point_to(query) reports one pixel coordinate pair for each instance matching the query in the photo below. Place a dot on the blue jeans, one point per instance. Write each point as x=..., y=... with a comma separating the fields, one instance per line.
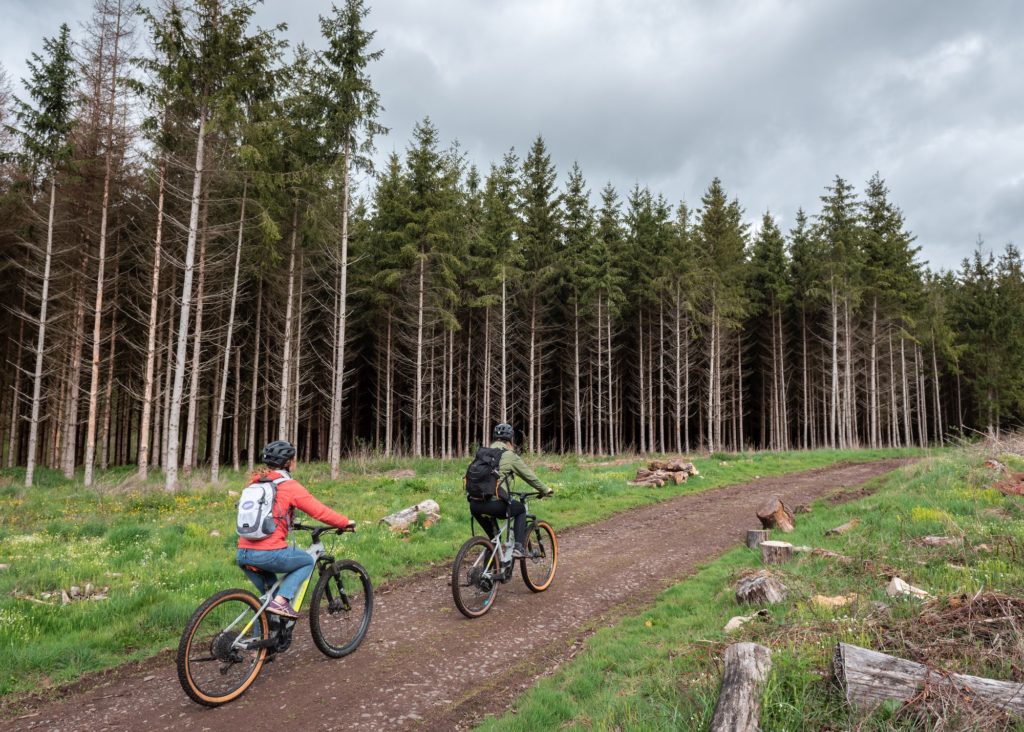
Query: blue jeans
x=296, y=563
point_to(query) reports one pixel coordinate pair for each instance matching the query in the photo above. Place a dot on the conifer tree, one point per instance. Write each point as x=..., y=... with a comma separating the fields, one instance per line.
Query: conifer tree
x=45, y=127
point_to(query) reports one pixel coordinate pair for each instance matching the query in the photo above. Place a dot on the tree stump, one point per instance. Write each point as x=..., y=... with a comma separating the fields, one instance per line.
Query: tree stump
x=402, y=520
x=869, y=678
x=773, y=514
x=776, y=552
x=761, y=588
x=840, y=530
x=756, y=536
x=739, y=702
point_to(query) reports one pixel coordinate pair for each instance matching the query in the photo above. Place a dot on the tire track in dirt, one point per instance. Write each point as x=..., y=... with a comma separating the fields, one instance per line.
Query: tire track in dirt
x=423, y=665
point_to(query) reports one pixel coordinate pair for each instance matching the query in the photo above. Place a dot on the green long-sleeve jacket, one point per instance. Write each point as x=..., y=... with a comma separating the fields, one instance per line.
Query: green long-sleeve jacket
x=512, y=464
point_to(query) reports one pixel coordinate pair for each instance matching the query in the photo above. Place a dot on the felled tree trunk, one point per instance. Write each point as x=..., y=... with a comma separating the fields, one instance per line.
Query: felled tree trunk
x=756, y=536
x=840, y=530
x=760, y=588
x=402, y=520
x=774, y=514
x=739, y=702
x=776, y=552
x=869, y=678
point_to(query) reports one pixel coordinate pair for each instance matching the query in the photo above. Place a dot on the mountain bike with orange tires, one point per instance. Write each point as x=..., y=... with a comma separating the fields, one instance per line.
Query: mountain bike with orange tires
x=482, y=564
x=230, y=636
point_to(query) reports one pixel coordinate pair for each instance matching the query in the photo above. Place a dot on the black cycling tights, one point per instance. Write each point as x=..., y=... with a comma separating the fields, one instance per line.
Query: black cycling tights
x=486, y=511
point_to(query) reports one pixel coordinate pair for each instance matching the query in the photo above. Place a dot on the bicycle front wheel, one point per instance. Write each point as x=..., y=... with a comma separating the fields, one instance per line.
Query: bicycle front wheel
x=538, y=567
x=474, y=577
x=339, y=614
x=222, y=648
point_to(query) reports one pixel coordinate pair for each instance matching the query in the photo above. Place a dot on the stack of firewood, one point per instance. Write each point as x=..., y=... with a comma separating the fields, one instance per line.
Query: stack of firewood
x=660, y=472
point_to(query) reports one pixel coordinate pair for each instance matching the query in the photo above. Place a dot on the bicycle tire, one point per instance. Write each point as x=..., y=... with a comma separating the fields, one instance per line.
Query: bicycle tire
x=216, y=612
x=539, y=571
x=332, y=603
x=471, y=554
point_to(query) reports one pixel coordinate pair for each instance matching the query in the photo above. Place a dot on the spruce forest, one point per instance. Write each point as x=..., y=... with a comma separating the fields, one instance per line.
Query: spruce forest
x=199, y=256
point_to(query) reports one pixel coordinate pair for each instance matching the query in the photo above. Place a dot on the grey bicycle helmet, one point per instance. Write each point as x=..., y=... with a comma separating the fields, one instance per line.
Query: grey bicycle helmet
x=277, y=453
x=504, y=432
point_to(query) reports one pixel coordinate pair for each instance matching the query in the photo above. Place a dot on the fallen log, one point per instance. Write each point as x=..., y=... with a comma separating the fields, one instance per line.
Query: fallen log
x=760, y=588
x=776, y=552
x=673, y=465
x=774, y=514
x=402, y=520
x=658, y=477
x=941, y=541
x=756, y=536
x=840, y=530
x=869, y=678
x=739, y=702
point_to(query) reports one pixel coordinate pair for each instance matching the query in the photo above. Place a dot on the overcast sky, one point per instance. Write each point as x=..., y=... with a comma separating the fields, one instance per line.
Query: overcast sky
x=774, y=97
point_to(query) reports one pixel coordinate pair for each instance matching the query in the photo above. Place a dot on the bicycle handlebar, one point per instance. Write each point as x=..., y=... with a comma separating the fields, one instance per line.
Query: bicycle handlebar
x=318, y=531
x=526, y=494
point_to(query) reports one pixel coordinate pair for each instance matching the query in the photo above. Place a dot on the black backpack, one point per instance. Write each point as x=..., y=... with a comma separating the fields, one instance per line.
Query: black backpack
x=481, y=479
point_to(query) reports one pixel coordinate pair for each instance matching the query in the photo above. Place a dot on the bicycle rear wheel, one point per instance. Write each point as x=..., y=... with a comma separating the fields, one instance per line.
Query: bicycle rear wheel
x=474, y=578
x=538, y=567
x=213, y=669
x=340, y=611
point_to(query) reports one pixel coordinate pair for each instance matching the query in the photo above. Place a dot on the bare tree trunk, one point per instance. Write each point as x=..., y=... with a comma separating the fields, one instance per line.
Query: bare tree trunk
x=922, y=400
x=154, y=300
x=168, y=374
x=339, y=366
x=218, y=422
x=894, y=429
x=44, y=300
x=191, y=427
x=286, y=359
x=661, y=375
x=256, y=347
x=504, y=348
x=806, y=381
x=237, y=414
x=532, y=372
x=171, y=465
x=784, y=394
x=13, y=443
x=642, y=393
x=935, y=391
x=613, y=443
x=907, y=431
x=108, y=391
x=94, y=384
x=712, y=443
x=485, y=423
x=873, y=414
x=417, y=434
x=388, y=418
x=466, y=437
x=600, y=380
x=833, y=424
x=577, y=409
x=297, y=358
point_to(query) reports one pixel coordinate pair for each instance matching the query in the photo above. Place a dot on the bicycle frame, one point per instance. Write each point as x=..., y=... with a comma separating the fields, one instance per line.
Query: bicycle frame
x=504, y=542
x=315, y=550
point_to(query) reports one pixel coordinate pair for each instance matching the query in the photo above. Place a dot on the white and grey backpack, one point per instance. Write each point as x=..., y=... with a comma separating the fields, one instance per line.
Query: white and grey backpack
x=256, y=518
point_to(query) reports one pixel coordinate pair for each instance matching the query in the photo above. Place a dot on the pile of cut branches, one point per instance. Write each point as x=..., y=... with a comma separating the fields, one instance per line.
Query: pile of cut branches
x=659, y=472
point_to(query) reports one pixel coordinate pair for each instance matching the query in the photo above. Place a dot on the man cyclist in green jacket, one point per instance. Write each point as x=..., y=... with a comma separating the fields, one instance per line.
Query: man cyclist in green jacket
x=511, y=465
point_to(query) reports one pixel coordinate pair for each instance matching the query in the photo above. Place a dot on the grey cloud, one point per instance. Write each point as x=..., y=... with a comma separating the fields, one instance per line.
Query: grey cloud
x=774, y=97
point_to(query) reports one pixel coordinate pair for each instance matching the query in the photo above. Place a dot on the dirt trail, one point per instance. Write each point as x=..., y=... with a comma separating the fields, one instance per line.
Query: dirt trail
x=422, y=663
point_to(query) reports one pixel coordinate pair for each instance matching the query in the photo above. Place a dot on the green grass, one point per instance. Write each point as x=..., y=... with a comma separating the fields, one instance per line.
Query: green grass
x=660, y=670
x=160, y=553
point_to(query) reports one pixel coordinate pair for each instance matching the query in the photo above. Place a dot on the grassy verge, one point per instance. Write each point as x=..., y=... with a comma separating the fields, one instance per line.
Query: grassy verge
x=160, y=554
x=662, y=669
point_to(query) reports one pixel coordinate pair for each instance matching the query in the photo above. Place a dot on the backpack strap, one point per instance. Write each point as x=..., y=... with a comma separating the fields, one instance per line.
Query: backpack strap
x=277, y=482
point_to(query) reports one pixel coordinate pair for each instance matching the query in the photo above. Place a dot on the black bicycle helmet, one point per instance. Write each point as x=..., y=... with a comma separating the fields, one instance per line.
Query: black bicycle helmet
x=504, y=432
x=277, y=453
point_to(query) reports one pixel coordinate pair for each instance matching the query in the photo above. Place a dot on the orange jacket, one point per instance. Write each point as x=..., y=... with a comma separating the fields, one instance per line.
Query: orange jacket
x=291, y=494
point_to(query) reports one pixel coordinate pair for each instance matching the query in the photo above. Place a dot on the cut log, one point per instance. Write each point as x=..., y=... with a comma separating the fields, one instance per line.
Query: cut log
x=756, y=536
x=679, y=477
x=402, y=520
x=775, y=515
x=673, y=465
x=869, y=678
x=739, y=702
x=776, y=552
x=760, y=588
x=898, y=588
x=941, y=541
x=840, y=530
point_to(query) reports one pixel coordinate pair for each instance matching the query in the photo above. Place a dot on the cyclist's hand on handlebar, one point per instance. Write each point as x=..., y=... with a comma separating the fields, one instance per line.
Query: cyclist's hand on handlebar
x=350, y=526
x=546, y=494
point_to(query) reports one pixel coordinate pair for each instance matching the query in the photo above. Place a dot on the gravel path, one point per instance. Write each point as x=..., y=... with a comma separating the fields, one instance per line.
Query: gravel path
x=423, y=665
